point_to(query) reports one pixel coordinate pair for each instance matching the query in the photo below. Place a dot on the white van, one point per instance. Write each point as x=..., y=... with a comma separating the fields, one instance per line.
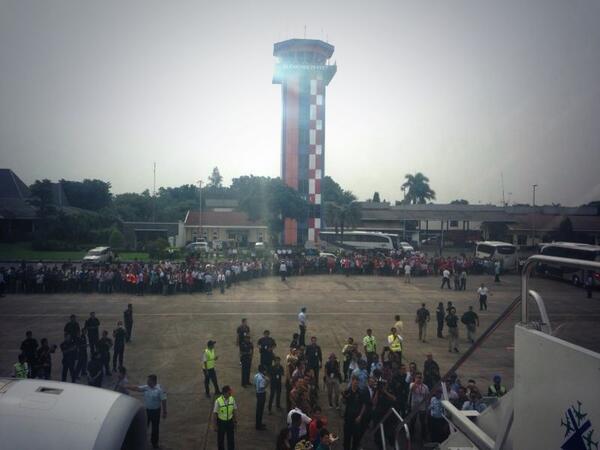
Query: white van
x=504, y=252
x=99, y=255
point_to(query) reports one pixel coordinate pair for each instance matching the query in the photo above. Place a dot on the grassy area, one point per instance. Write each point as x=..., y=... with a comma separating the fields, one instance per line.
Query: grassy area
x=23, y=250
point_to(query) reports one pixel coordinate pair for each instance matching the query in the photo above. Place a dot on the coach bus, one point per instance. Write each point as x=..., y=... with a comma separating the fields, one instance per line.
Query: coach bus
x=360, y=240
x=570, y=250
x=494, y=251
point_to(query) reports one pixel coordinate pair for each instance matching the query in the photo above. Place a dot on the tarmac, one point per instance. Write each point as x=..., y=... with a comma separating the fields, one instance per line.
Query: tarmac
x=170, y=334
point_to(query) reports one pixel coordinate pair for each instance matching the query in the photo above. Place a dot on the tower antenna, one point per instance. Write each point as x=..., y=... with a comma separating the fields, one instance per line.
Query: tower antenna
x=154, y=194
x=502, y=181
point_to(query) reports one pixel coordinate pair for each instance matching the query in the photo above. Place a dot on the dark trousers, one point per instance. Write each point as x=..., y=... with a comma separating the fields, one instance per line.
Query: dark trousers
x=283, y=274
x=260, y=408
x=246, y=366
x=275, y=394
x=117, y=354
x=497, y=278
x=106, y=362
x=346, y=368
x=81, y=368
x=154, y=422
x=315, y=369
x=370, y=358
x=440, y=327
x=437, y=429
x=128, y=328
x=589, y=291
x=302, y=339
x=352, y=434
x=210, y=375
x=68, y=366
x=93, y=341
x=482, y=302
x=225, y=427
x=445, y=281
x=463, y=284
x=420, y=416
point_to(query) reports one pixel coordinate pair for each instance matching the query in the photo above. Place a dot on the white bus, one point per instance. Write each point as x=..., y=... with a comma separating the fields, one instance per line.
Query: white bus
x=360, y=240
x=571, y=250
x=498, y=251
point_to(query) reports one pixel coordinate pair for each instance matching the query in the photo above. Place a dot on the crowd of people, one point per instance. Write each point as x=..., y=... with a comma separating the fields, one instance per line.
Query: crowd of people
x=198, y=275
x=364, y=380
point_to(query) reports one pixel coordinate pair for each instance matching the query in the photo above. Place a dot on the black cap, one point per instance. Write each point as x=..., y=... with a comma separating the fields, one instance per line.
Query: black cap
x=209, y=343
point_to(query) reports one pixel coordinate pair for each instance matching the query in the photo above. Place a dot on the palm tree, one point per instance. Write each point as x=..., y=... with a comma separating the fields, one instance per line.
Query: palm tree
x=417, y=189
x=342, y=216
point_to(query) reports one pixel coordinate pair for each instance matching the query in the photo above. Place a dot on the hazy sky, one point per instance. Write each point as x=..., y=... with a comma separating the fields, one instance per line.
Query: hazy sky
x=460, y=90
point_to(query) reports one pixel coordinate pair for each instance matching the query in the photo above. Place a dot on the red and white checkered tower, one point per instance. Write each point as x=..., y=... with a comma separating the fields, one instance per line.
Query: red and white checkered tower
x=303, y=71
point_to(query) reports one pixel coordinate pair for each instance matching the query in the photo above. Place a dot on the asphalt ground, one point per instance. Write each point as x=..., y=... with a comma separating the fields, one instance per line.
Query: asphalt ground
x=170, y=334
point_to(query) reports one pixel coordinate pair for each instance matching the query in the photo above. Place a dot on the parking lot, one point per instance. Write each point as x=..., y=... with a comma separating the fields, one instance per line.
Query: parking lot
x=170, y=334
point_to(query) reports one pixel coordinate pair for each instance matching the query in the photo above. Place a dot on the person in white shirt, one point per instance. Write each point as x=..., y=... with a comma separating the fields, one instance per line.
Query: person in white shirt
x=483, y=295
x=155, y=401
x=302, y=326
x=282, y=269
x=445, y=279
x=305, y=420
x=407, y=269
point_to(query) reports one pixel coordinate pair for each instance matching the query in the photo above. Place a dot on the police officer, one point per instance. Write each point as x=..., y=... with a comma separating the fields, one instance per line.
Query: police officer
x=314, y=358
x=72, y=326
x=29, y=349
x=266, y=344
x=92, y=327
x=246, y=353
x=94, y=370
x=119, y=335
x=103, y=346
x=82, y=356
x=395, y=344
x=496, y=389
x=225, y=419
x=208, y=367
x=128, y=320
x=69, y=356
x=260, y=383
x=277, y=372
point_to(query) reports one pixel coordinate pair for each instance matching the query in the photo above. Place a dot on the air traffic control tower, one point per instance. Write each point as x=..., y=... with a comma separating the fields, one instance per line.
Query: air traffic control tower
x=303, y=71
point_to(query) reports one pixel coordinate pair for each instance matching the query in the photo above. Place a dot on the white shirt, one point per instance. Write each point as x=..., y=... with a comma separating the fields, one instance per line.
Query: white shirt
x=302, y=318
x=305, y=420
x=482, y=291
x=407, y=269
x=446, y=273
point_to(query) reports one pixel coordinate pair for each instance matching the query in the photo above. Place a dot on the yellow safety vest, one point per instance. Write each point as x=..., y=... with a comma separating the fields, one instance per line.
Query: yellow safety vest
x=497, y=393
x=226, y=408
x=210, y=358
x=395, y=344
x=21, y=370
x=369, y=343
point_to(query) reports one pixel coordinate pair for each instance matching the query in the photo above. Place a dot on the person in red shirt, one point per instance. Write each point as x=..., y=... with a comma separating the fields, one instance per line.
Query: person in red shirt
x=318, y=421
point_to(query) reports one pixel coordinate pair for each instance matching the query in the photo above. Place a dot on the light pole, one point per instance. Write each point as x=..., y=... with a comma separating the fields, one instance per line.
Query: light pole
x=534, y=186
x=200, y=208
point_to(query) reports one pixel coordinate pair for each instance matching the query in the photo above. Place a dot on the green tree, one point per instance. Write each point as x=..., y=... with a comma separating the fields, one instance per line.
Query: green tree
x=565, y=230
x=460, y=201
x=215, y=180
x=134, y=207
x=417, y=189
x=376, y=198
x=342, y=216
x=87, y=194
x=283, y=202
x=116, y=239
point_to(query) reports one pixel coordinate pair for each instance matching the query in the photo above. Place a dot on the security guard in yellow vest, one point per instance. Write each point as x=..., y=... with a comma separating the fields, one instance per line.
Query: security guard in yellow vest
x=208, y=367
x=370, y=347
x=496, y=389
x=225, y=419
x=395, y=345
x=21, y=368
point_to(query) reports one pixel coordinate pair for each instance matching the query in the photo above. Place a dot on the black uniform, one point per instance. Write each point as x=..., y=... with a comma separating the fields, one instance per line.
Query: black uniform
x=29, y=348
x=92, y=326
x=69, y=357
x=276, y=380
x=246, y=351
x=82, y=356
x=355, y=401
x=120, y=335
x=94, y=369
x=44, y=361
x=72, y=328
x=128, y=321
x=314, y=359
x=104, y=345
x=440, y=316
x=266, y=344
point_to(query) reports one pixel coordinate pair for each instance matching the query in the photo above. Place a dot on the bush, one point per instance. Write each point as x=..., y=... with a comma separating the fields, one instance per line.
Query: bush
x=116, y=239
x=157, y=249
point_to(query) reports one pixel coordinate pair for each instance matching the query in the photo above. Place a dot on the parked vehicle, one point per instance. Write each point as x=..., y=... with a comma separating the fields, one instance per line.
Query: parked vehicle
x=504, y=252
x=99, y=255
x=197, y=247
x=569, y=250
